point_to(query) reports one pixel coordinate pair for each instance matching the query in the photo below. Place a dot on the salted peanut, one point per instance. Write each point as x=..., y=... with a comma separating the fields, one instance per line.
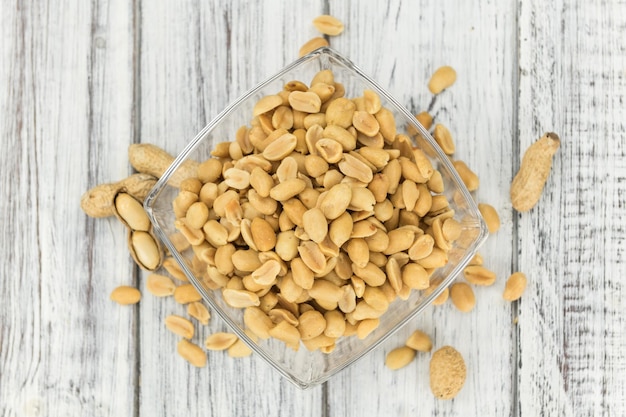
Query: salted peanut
x=337, y=201
x=462, y=297
x=223, y=259
x=315, y=165
x=312, y=256
x=315, y=224
x=288, y=189
x=376, y=298
x=447, y=373
x=307, y=102
x=371, y=101
x=354, y=168
x=208, y=193
x=358, y=251
x=378, y=242
x=329, y=149
x=181, y=203
x=198, y=311
x=515, y=286
x=393, y=172
x=425, y=119
x=264, y=205
x=422, y=247
x=340, y=135
x=323, y=290
x=436, y=230
x=424, y=165
x=145, y=250
x=160, y=285
x=371, y=274
x=394, y=274
x=377, y=157
x=387, y=124
x=312, y=136
x=451, y=229
x=435, y=183
x=318, y=342
x=311, y=45
x=383, y=211
x=399, y=358
x=244, y=260
x=240, y=298
x=282, y=117
x=366, y=326
x=335, y=324
x=340, y=112
x=280, y=314
x=280, y=148
x=287, y=245
x=242, y=139
x=302, y=275
x=263, y=234
x=295, y=85
x=442, y=78
x=311, y=324
x=287, y=333
x=377, y=141
x=436, y=259
x=266, y=274
x=210, y=170
x=340, y=228
x=197, y=215
x=239, y=350
x=186, y=293
x=410, y=171
x=470, y=179
x=125, y=295
x=362, y=229
x=365, y=123
x=400, y=240
x=192, y=353
x=324, y=76
x=324, y=92
x=173, y=268
x=328, y=25
x=295, y=210
x=266, y=104
x=237, y=178
x=234, y=150
x=479, y=275
x=131, y=212
x=439, y=204
x=258, y=322
x=410, y=194
x=347, y=302
x=419, y=341
x=179, y=326
x=415, y=276
x=476, y=260
x=222, y=150
x=443, y=137
x=491, y=217
x=309, y=197
x=220, y=341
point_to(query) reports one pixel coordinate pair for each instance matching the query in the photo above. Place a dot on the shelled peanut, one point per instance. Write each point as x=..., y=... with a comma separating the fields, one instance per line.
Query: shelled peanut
x=312, y=211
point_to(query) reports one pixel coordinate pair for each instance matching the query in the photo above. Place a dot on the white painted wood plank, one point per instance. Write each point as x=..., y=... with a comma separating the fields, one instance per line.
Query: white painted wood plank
x=66, y=114
x=400, y=43
x=571, y=333
x=195, y=59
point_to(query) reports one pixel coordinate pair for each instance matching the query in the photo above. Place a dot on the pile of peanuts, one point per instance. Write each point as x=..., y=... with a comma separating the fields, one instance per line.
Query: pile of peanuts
x=313, y=220
x=317, y=216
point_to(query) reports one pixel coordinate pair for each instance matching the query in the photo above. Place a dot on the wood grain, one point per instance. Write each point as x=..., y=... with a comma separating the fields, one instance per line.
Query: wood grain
x=67, y=72
x=571, y=333
x=478, y=40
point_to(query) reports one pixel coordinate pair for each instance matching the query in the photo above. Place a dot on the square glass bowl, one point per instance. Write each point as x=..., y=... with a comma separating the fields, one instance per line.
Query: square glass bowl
x=302, y=367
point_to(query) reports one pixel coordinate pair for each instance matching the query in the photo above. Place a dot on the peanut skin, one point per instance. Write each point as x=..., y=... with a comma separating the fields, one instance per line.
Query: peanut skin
x=100, y=200
x=528, y=184
x=150, y=159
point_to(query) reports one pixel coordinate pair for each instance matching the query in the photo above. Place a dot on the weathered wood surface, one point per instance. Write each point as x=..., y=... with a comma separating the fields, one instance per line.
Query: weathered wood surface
x=80, y=81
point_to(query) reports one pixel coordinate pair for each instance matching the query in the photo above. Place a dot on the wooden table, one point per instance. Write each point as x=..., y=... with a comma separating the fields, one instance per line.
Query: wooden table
x=81, y=80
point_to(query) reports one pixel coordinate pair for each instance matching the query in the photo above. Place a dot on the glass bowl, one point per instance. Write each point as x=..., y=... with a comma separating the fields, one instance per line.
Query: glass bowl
x=303, y=367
